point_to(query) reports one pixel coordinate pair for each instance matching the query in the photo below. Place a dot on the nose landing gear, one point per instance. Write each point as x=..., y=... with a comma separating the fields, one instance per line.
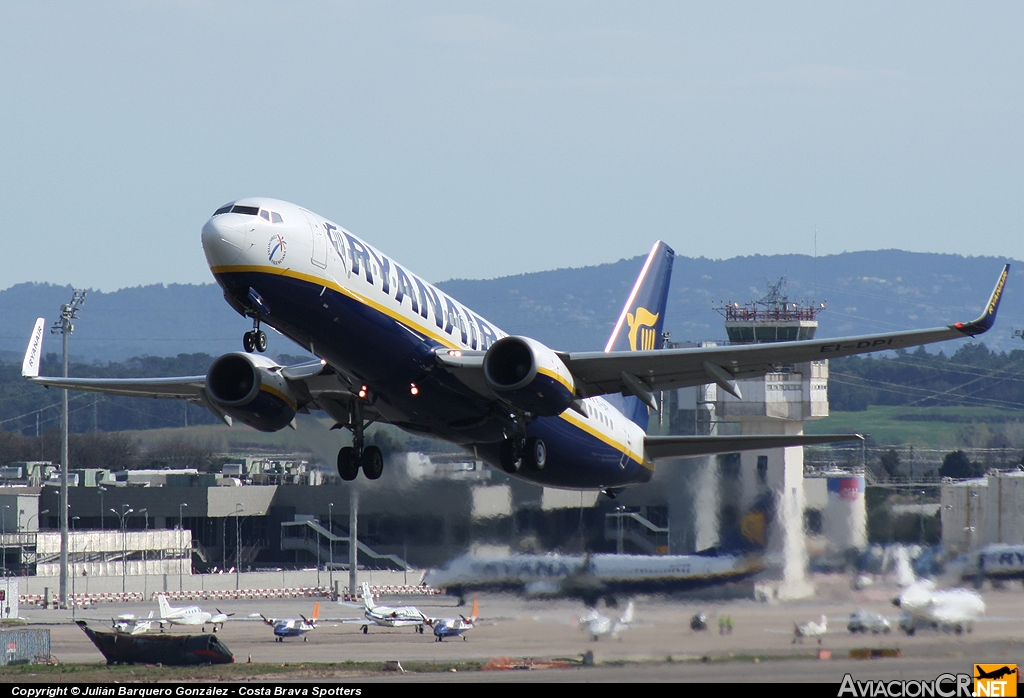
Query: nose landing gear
x=257, y=339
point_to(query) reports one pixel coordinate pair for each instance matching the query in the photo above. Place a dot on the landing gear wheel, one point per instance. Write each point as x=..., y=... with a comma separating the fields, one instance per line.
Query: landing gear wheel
x=535, y=455
x=261, y=341
x=348, y=467
x=249, y=342
x=372, y=462
x=365, y=630
x=511, y=461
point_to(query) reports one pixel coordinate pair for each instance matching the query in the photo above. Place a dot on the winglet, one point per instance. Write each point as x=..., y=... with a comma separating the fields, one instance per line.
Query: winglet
x=34, y=351
x=984, y=323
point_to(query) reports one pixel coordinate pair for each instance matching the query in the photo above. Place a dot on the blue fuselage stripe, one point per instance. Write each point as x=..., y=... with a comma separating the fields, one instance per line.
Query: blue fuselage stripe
x=389, y=357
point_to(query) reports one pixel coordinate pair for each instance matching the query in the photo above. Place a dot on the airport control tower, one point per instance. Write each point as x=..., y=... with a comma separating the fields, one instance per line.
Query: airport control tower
x=777, y=403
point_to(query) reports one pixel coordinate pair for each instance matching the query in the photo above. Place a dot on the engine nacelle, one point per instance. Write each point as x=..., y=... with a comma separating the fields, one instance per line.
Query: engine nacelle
x=528, y=375
x=251, y=389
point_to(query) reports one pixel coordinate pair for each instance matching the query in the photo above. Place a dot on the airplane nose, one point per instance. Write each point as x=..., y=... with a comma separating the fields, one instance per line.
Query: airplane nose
x=223, y=240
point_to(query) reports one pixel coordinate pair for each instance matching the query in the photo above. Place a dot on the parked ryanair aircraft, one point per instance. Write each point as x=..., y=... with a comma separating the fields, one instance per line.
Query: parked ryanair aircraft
x=393, y=348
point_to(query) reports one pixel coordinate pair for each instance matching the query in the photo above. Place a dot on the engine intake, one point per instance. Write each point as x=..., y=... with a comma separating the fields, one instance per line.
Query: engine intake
x=529, y=375
x=251, y=389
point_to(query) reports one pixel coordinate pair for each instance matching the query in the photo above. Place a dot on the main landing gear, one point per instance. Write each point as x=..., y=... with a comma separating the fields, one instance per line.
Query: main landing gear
x=255, y=340
x=352, y=458
x=518, y=452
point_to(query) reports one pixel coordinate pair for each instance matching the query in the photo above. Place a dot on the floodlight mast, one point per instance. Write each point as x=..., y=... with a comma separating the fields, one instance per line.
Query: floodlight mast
x=64, y=327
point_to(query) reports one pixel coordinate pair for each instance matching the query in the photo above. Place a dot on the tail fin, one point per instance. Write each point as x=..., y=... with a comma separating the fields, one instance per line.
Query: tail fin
x=34, y=352
x=316, y=611
x=368, y=597
x=749, y=534
x=627, y=617
x=165, y=608
x=639, y=327
x=476, y=611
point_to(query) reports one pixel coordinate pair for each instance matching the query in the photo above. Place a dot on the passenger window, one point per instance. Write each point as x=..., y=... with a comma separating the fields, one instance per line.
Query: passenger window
x=276, y=217
x=265, y=215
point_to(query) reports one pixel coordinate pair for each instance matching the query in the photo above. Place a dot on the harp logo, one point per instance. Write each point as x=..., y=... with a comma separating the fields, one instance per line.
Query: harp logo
x=642, y=334
x=995, y=679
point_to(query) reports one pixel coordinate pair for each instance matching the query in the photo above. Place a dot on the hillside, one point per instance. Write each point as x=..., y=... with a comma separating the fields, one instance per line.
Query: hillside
x=570, y=309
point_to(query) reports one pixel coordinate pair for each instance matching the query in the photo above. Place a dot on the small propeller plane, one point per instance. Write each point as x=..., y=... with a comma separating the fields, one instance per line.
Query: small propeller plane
x=293, y=627
x=390, y=616
x=810, y=629
x=599, y=625
x=454, y=627
x=128, y=624
x=189, y=615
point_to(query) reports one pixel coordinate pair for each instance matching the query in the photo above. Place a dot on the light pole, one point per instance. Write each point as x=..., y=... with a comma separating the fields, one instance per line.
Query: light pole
x=74, y=602
x=238, y=545
x=101, y=490
x=3, y=536
x=124, y=547
x=330, y=543
x=64, y=327
x=28, y=524
x=318, y=556
x=181, y=545
x=145, y=538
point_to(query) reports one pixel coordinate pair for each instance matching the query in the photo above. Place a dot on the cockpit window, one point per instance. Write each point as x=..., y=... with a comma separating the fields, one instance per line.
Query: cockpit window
x=265, y=215
x=246, y=210
x=222, y=209
x=276, y=217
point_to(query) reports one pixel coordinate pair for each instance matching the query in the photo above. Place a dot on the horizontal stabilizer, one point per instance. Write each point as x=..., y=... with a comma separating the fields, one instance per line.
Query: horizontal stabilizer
x=662, y=447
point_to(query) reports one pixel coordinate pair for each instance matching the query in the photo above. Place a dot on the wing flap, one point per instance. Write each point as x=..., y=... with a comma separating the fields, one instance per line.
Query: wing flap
x=664, y=447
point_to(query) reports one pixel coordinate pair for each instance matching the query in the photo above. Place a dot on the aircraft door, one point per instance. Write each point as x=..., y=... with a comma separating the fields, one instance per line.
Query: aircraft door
x=319, y=257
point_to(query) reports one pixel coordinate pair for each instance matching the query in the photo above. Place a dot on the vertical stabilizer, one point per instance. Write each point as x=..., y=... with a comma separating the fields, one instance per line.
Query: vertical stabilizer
x=165, y=608
x=316, y=611
x=368, y=597
x=639, y=327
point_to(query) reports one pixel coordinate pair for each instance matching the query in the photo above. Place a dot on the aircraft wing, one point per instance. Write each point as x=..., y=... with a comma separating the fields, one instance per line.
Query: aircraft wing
x=315, y=383
x=663, y=447
x=599, y=373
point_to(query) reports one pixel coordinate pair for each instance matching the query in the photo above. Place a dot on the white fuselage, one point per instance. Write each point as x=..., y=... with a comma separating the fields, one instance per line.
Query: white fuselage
x=313, y=250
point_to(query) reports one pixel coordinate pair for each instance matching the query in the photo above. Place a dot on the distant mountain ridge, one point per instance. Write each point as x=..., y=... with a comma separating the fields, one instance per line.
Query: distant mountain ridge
x=569, y=309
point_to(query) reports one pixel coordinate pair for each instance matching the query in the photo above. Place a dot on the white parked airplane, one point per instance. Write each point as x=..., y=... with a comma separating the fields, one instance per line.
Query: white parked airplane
x=949, y=610
x=390, y=616
x=599, y=625
x=810, y=629
x=127, y=623
x=393, y=348
x=189, y=615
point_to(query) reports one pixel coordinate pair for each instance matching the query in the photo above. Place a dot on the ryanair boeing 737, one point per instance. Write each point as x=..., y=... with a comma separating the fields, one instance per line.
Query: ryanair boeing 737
x=393, y=348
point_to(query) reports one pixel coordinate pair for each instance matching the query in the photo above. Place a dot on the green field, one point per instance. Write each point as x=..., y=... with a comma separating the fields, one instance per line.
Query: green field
x=923, y=426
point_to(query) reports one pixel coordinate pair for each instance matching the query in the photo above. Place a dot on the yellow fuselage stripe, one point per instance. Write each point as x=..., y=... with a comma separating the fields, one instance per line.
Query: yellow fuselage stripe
x=568, y=415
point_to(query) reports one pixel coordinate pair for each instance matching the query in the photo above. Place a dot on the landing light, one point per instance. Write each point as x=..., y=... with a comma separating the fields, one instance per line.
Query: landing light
x=413, y=389
x=362, y=392
x=454, y=352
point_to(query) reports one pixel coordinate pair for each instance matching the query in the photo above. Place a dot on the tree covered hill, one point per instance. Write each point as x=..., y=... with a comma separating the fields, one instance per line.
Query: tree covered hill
x=570, y=309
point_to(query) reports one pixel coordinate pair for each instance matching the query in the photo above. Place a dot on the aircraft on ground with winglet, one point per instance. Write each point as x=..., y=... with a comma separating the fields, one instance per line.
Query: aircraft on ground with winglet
x=293, y=627
x=393, y=348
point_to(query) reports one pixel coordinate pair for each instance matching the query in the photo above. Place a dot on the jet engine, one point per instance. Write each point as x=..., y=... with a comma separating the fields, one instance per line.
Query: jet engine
x=251, y=389
x=529, y=376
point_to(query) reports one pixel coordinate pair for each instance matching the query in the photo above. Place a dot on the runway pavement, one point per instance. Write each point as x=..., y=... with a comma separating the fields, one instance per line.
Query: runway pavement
x=659, y=646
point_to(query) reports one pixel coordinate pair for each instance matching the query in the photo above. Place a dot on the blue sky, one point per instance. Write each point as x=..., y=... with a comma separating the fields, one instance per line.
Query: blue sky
x=486, y=139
